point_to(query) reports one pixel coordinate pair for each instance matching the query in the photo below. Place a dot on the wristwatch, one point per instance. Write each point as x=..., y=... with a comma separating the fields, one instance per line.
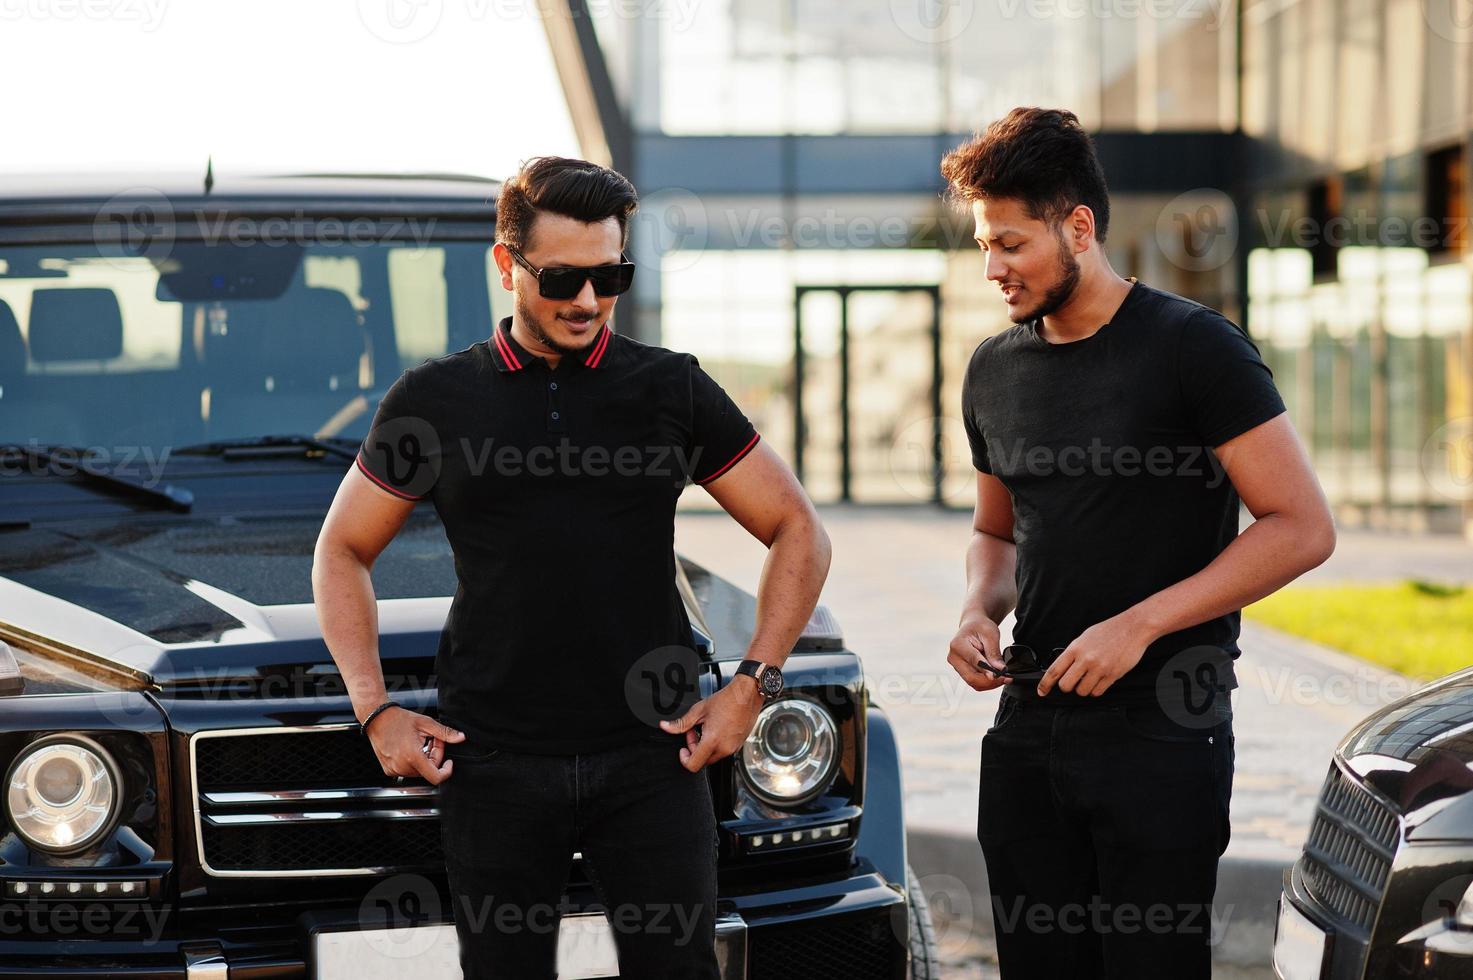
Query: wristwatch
x=769, y=677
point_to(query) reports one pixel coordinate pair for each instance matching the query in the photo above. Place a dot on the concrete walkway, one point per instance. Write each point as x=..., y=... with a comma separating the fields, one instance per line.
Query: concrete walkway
x=896, y=586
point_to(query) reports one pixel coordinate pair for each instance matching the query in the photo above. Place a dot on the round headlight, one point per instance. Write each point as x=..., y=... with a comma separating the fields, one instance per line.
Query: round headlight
x=792, y=752
x=61, y=793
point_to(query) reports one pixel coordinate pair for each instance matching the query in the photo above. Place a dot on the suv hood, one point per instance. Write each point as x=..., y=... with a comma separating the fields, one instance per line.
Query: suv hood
x=1418, y=753
x=160, y=602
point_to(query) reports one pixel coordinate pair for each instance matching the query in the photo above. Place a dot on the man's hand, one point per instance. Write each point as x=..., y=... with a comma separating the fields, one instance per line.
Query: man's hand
x=725, y=719
x=1099, y=657
x=977, y=638
x=398, y=736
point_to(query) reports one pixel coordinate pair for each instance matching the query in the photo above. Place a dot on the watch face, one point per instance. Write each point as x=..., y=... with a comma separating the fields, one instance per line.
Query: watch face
x=772, y=682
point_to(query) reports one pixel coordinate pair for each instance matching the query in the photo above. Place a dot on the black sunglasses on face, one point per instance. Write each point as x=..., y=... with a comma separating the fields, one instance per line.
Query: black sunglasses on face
x=565, y=282
x=1020, y=663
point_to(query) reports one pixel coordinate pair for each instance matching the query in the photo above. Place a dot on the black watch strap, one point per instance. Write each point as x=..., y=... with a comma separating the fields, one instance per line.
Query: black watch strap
x=759, y=671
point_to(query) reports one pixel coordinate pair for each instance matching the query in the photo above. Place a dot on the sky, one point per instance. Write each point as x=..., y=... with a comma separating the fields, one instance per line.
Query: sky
x=463, y=86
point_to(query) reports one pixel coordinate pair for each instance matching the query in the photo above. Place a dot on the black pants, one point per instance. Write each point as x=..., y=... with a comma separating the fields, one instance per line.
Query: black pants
x=510, y=822
x=1101, y=827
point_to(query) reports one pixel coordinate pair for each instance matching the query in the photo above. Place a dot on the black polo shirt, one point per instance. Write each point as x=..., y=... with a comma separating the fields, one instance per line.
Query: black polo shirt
x=557, y=490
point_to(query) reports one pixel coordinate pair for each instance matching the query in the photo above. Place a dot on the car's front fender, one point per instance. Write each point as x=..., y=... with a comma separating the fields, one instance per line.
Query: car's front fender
x=882, y=829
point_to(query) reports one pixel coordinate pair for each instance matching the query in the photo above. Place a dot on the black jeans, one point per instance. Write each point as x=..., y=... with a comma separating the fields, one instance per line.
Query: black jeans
x=510, y=822
x=1101, y=827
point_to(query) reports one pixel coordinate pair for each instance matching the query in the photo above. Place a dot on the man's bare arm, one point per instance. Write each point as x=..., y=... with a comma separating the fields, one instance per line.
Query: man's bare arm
x=1292, y=532
x=361, y=522
x=762, y=495
x=992, y=588
x=992, y=585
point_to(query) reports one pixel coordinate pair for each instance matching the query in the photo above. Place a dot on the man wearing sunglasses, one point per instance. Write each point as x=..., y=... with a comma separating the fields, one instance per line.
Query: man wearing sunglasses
x=554, y=452
x=1115, y=428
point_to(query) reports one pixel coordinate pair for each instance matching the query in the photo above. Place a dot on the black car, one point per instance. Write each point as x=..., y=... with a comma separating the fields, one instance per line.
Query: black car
x=1384, y=886
x=187, y=368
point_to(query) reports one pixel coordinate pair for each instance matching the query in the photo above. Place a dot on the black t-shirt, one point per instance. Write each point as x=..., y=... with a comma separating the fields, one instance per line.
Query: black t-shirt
x=1105, y=445
x=557, y=490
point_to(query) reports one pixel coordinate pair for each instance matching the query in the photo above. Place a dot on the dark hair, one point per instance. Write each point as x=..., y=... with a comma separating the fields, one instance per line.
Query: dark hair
x=574, y=188
x=1042, y=157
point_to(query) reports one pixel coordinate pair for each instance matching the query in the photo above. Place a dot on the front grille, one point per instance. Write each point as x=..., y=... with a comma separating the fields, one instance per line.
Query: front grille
x=835, y=948
x=319, y=758
x=309, y=802
x=1347, y=858
x=341, y=844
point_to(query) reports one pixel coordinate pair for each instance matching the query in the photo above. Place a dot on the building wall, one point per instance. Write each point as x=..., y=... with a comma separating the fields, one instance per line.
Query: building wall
x=1358, y=276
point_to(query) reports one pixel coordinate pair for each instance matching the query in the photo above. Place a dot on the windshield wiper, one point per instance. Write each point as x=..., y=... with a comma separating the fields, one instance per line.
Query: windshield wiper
x=257, y=446
x=166, y=495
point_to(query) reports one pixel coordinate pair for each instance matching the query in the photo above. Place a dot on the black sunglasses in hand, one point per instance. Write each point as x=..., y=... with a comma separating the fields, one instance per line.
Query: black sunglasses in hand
x=565, y=282
x=1020, y=663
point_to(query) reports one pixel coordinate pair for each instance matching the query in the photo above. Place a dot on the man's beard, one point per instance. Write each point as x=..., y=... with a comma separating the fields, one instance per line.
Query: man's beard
x=539, y=333
x=1060, y=292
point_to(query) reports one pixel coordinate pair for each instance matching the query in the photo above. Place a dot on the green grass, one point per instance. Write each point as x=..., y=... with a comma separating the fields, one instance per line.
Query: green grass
x=1421, y=629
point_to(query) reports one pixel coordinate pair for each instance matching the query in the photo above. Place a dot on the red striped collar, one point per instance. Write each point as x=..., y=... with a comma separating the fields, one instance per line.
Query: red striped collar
x=511, y=356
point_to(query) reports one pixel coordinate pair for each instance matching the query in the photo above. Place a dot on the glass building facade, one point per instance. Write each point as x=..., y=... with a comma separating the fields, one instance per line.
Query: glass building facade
x=1358, y=282
x=793, y=235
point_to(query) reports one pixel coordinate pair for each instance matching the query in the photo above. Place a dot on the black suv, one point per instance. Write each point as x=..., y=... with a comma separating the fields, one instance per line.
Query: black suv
x=187, y=368
x=1384, y=887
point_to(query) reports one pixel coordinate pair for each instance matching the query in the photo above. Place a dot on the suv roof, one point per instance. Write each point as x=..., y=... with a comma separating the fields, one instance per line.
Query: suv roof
x=69, y=198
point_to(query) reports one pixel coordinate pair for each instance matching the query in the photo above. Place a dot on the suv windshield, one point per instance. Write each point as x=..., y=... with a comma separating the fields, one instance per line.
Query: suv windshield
x=214, y=342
